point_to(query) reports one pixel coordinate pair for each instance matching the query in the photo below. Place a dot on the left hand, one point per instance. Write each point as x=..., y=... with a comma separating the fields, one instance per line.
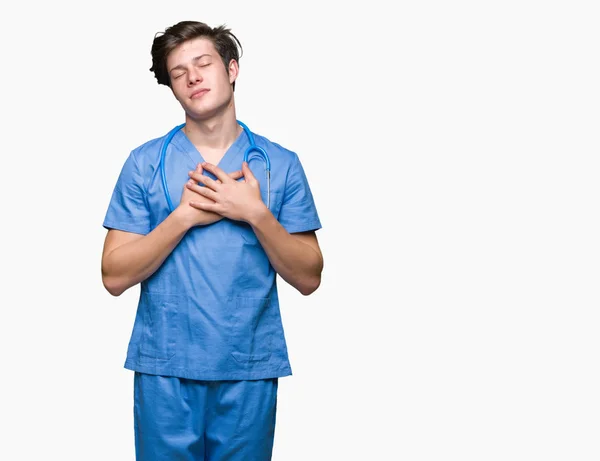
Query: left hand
x=237, y=200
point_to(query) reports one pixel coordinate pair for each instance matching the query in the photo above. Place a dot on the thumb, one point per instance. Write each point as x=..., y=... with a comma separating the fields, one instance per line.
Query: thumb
x=247, y=172
x=236, y=174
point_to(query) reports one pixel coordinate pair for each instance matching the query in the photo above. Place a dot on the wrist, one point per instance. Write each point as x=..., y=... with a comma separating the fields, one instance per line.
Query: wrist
x=181, y=218
x=258, y=214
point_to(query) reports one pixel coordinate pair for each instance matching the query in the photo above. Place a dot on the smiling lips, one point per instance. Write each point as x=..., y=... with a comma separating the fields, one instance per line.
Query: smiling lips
x=199, y=93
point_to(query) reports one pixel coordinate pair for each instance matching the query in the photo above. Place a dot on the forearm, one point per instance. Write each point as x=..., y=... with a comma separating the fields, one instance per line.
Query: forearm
x=135, y=261
x=298, y=263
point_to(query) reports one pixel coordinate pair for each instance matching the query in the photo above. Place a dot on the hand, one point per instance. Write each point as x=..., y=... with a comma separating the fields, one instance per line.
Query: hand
x=238, y=200
x=195, y=216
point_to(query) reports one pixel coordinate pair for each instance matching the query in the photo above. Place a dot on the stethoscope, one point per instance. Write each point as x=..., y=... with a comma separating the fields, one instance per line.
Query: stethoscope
x=253, y=148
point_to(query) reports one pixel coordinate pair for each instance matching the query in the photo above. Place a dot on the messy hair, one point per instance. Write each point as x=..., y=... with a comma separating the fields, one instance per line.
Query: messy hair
x=224, y=41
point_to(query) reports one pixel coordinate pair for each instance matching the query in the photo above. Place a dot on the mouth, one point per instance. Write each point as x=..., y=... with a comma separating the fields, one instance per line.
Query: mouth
x=199, y=93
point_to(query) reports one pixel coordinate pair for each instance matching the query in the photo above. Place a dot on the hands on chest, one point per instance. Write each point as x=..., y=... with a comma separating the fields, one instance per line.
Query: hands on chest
x=205, y=200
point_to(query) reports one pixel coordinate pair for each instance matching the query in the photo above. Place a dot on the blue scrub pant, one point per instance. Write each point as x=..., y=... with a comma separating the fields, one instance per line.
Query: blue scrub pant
x=180, y=419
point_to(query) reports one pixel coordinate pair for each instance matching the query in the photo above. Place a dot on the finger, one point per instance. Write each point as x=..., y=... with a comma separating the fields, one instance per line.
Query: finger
x=236, y=174
x=208, y=182
x=204, y=191
x=194, y=187
x=198, y=170
x=204, y=206
x=233, y=175
x=218, y=172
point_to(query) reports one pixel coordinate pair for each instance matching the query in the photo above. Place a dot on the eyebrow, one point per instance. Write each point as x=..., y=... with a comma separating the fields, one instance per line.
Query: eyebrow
x=194, y=60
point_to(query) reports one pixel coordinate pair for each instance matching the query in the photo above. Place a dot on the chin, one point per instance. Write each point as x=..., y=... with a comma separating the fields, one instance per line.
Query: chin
x=205, y=111
x=198, y=111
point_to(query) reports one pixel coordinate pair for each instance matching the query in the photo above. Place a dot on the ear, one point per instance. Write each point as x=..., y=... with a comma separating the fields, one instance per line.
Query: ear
x=233, y=71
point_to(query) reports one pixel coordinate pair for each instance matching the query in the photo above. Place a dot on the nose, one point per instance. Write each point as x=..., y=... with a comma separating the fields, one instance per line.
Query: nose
x=194, y=76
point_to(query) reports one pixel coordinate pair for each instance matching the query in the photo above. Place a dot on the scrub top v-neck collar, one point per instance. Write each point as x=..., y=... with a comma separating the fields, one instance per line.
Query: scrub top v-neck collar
x=185, y=145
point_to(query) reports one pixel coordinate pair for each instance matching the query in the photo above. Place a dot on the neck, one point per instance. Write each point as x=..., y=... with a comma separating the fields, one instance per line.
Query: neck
x=218, y=132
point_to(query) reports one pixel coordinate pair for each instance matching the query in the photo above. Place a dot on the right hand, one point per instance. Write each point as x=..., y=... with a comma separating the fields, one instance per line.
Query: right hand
x=193, y=216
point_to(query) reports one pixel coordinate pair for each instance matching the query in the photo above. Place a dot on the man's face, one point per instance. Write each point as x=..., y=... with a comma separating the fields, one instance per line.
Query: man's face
x=199, y=80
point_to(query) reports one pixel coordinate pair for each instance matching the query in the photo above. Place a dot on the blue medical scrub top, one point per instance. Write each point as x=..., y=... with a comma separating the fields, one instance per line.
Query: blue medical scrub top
x=211, y=310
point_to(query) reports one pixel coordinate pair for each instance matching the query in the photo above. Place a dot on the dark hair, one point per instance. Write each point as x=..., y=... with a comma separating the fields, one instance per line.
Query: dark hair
x=224, y=41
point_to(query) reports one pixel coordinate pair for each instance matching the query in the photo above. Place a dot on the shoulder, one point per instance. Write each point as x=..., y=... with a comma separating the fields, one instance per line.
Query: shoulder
x=149, y=150
x=142, y=161
x=146, y=156
x=276, y=151
x=286, y=164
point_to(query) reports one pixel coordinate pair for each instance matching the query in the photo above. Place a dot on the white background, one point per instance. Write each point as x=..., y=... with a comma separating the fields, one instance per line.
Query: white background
x=452, y=149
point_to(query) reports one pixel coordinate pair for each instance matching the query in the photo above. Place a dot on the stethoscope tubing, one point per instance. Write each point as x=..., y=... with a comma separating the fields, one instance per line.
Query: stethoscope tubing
x=253, y=148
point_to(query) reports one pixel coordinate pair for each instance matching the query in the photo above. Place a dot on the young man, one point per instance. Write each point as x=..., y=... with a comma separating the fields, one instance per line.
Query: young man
x=205, y=233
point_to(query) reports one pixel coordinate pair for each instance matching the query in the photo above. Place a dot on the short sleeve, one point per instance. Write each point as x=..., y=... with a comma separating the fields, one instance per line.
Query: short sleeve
x=298, y=211
x=128, y=210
